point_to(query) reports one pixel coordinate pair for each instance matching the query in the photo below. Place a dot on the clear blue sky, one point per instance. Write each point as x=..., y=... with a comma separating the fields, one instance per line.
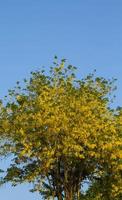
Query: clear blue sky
x=86, y=32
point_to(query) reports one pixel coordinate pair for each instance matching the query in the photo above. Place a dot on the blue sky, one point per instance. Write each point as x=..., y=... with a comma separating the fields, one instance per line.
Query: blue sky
x=87, y=33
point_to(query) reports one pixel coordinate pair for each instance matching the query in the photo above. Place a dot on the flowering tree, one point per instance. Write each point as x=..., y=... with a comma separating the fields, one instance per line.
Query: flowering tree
x=61, y=132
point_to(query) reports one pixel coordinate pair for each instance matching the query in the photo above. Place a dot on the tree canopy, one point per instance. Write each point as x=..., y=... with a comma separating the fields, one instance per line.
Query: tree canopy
x=61, y=132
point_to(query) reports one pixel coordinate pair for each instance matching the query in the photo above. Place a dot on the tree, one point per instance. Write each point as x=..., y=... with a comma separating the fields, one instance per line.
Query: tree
x=60, y=132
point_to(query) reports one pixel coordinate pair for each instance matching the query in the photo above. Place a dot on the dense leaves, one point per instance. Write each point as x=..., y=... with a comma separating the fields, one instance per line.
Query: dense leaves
x=61, y=132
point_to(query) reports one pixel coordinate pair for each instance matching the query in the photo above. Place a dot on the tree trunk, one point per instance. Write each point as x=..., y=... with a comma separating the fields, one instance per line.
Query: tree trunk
x=69, y=194
x=60, y=197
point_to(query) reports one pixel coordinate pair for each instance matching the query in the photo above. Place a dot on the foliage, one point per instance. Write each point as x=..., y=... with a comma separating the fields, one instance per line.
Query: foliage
x=60, y=131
